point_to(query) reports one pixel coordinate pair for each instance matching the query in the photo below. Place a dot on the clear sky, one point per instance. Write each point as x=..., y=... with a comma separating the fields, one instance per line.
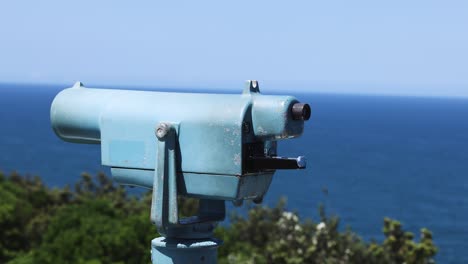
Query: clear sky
x=391, y=47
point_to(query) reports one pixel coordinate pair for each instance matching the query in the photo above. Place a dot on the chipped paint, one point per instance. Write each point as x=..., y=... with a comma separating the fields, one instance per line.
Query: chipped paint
x=237, y=159
x=236, y=132
x=261, y=131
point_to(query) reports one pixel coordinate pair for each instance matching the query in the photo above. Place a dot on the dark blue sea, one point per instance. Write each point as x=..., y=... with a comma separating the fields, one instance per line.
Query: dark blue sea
x=369, y=157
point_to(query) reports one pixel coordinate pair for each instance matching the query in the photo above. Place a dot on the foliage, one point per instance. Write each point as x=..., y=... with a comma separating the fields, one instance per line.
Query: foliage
x=275, y=235
x=97, y=222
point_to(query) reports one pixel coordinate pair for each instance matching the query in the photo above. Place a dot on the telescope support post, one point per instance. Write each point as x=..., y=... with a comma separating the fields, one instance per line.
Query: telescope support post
x=178, y=251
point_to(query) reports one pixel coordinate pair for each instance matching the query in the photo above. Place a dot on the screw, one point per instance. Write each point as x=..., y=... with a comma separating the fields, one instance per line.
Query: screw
x=301, y=162
x=162, y=130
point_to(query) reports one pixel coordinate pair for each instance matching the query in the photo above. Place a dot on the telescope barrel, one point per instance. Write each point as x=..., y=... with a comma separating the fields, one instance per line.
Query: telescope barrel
x=77, y=113
x=74, y=114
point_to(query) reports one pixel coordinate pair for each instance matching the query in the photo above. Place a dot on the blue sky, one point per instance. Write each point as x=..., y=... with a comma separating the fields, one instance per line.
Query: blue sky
x=386, y=47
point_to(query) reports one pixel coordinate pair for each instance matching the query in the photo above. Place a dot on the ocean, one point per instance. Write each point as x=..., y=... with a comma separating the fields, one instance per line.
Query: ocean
x=369, y=157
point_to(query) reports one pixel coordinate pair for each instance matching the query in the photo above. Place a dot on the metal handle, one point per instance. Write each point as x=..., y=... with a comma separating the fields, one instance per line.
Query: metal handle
x=277, y=163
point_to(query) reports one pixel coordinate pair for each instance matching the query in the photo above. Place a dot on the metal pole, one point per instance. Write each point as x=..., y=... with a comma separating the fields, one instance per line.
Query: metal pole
x=183, y=251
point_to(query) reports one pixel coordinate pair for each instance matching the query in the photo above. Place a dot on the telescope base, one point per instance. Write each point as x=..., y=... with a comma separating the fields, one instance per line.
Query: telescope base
x=178, y=251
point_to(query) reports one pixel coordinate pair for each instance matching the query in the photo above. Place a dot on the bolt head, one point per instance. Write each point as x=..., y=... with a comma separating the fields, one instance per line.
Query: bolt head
x=301, y=161
x=162, y=130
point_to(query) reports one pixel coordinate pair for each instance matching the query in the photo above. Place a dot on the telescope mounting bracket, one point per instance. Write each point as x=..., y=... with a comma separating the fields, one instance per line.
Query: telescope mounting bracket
x=164, y=206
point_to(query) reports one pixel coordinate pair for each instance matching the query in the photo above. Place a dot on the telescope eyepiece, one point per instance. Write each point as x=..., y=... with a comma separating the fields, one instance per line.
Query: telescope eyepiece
x=301, y=111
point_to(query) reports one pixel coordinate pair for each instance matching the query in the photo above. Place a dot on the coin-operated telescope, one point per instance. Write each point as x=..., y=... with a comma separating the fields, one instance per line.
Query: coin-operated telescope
x=214, y=147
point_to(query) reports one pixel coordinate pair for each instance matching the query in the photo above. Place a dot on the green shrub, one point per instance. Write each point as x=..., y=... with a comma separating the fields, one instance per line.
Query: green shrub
x=98, y=222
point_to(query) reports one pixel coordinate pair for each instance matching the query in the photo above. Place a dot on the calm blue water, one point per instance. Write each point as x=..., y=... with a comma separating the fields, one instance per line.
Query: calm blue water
x=405, y=158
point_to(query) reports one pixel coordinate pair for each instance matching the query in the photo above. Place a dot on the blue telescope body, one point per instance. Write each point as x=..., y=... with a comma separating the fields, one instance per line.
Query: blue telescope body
x=226, y=143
